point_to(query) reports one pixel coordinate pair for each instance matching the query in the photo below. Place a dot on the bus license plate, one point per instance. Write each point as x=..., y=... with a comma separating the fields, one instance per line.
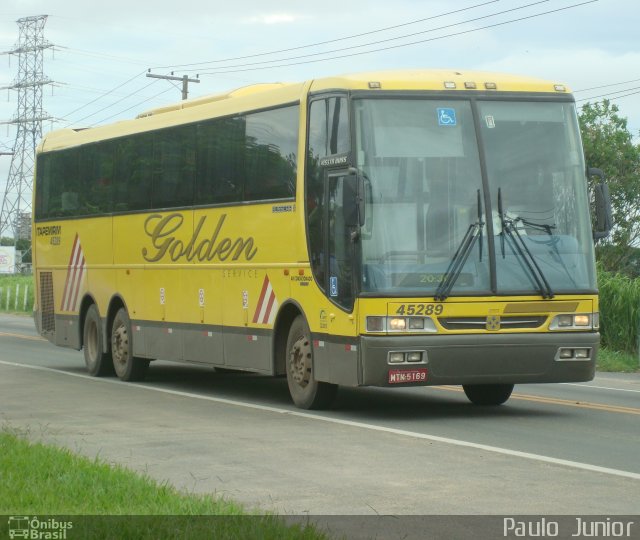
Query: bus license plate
x=401, y=376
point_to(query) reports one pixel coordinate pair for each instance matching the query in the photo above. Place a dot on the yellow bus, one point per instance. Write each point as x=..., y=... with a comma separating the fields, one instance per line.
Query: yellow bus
x=388, y=229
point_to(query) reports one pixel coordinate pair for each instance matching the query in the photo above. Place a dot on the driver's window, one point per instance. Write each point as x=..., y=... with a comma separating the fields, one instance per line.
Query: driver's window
x=328, y=135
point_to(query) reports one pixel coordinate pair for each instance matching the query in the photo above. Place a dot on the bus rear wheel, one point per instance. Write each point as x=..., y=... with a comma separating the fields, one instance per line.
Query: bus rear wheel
x=127, y=367
x=98, y=362
x=305, y=390
x=488, y=394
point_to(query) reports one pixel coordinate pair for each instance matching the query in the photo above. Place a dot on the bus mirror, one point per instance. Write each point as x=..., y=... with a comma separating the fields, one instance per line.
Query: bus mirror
x=604, y=219
x=602, y=199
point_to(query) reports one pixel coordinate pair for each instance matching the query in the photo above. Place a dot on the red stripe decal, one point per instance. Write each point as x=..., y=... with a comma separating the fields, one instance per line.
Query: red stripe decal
x=76, y=289
x=265, y=285
x=267, y=313
x=66, y=283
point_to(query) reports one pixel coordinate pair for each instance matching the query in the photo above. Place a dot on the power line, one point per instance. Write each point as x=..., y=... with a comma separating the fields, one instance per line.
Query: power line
x=105, y=95
x=262, y=54
x=335, y=40
x=463, y=32
x=605, y=86
x=113, y=104
x=452, y=25
x=228, y=71
x=87, y=89
x=95, y=54
x=133, y=106
x=631, y=92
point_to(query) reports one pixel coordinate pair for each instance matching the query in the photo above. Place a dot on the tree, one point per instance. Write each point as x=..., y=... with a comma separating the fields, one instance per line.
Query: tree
x=608, y=145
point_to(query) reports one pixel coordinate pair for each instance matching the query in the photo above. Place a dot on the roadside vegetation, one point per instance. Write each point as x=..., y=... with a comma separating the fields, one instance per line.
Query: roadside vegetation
x=619, y=311
x=16, y=293
x=41, y=480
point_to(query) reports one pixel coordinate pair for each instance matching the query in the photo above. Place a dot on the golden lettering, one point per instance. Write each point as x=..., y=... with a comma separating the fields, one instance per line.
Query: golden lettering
x=163, y=231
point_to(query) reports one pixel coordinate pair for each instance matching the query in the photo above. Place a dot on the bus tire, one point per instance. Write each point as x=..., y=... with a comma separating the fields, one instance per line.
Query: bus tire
x=306, y=392
x=127, y=366
x=98, y=363
x=488, y=394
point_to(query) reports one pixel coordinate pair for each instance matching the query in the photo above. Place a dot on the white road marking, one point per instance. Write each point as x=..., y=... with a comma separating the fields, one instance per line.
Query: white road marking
x=601, y=387
x=361, y=425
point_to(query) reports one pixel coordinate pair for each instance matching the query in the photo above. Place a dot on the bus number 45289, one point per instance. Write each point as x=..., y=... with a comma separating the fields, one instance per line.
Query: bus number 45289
x=420, y=309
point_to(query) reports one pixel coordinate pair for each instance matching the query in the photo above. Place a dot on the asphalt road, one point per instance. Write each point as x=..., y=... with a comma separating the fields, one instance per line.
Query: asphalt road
x=552, y=449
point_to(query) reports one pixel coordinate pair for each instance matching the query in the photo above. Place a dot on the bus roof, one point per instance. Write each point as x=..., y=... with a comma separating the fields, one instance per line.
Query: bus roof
x=437, y=79
x=259, y=96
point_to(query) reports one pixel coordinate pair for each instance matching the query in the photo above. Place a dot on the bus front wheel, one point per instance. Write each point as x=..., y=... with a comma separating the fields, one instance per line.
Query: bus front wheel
x=98, y=362
x=127, y=367
x=488, y=394
x=305, y=390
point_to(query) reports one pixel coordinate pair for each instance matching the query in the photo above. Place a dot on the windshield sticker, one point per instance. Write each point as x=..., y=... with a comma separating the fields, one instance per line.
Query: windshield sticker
x=333, y=286
x=490, y=120
x=447, y=116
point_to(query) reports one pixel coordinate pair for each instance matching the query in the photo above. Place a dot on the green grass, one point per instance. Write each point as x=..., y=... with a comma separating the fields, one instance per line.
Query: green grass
x=8, y=285
x=36, y=479
x=623, y=362
x=619, y=311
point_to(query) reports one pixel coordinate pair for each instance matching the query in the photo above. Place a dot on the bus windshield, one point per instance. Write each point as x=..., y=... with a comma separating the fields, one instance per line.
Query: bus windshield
x=431, y=219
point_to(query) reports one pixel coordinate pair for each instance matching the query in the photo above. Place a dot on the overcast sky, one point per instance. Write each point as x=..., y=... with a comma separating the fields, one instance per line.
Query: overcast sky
x=103, y=49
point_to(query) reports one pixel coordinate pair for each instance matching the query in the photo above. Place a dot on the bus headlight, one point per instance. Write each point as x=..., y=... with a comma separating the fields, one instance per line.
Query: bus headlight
x=582, y=320
x=414, y=325
x=577, y=321
x=397, y=323
x=376, y=324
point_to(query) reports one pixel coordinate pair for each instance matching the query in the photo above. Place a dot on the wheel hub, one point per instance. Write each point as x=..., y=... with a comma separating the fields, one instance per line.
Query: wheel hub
x=120, y=345
x=300, y=361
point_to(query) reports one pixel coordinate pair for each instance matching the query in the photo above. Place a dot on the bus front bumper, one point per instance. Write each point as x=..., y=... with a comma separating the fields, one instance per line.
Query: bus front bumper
x=478, y=359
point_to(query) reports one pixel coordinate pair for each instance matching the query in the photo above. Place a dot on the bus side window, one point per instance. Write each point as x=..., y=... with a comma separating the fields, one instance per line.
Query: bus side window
x=63, y=178
x=271, y=154
x=132, y=175
x=43, y=183
x=220, y=161
x=175, y=173
x=96, y=172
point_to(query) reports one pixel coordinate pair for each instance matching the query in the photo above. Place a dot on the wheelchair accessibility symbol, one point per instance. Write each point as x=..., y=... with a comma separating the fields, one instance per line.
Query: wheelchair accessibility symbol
x=447, y=116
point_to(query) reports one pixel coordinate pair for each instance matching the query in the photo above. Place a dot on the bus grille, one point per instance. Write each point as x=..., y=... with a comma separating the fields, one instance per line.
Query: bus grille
x=46, y=302
x=482, y=323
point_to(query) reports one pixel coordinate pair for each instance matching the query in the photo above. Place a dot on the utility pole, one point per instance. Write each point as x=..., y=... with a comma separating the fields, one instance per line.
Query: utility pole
x=16, y=204
x=185, y=81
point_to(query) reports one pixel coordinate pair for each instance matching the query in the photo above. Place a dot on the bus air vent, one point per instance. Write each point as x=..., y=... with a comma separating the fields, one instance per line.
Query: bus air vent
x=47, y=302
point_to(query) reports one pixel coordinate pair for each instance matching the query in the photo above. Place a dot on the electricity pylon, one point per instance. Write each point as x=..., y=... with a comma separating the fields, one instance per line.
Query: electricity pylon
x=16, y=204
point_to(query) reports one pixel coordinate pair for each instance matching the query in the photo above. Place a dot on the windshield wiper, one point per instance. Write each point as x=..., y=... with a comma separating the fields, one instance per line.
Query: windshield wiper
x=519, y=247
x=473, y=235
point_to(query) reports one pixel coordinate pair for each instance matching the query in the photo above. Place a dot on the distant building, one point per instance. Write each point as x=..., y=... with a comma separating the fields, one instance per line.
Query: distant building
x=7, y=259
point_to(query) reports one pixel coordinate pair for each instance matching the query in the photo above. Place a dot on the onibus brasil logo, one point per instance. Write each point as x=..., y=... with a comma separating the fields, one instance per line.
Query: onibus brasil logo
x=38, y=529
